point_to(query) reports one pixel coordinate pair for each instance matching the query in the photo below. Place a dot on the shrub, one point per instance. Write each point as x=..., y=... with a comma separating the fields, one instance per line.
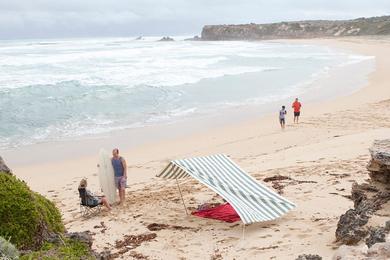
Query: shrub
x=26, y=217
x=7, y=250
x=71, y=249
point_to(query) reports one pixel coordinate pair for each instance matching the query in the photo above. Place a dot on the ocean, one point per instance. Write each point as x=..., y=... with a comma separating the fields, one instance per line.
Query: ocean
x=52, y=90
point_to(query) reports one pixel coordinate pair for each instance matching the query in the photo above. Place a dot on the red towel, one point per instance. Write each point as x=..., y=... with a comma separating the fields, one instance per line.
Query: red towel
x=223, y=212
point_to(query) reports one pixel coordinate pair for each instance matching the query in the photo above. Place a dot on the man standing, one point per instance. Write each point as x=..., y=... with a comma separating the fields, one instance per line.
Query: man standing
x=297, y=110
x=120, y=170
x=282, y=117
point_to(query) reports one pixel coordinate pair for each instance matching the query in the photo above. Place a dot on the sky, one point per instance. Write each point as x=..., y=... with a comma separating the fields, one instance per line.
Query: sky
x=110, y=18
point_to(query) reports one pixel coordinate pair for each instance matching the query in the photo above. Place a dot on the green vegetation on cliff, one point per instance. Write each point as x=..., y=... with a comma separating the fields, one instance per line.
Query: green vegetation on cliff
x=26, y=217
x=298, y=29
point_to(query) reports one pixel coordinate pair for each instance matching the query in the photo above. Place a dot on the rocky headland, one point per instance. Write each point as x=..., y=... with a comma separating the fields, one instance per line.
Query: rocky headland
x=298, y=29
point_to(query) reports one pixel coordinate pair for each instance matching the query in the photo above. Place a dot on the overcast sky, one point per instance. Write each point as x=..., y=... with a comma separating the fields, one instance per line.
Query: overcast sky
x=84, y=18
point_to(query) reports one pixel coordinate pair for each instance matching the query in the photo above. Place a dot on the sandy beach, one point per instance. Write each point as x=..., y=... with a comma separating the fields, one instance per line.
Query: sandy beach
x=322, y=155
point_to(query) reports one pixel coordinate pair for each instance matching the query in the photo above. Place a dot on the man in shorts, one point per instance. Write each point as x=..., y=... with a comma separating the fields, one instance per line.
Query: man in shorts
x=120, y=170
x=282, y=117
x=297, y=110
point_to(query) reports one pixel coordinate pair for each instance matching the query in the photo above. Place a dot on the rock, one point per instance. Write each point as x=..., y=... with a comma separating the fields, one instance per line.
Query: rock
x=105, y=255
x=139, y=38
x=166, y=39
x=387, y=226
x=54, y=238
x=379, y=251
x=298, y=29
x=350, y=253
x=350, y=227
x=367, y=198
x=379, y=166
x=195, y=38
x=358, y=195
x=308, y=257
x=376, y=235
x=369, y=187
x=84, y=237
x=4, y=167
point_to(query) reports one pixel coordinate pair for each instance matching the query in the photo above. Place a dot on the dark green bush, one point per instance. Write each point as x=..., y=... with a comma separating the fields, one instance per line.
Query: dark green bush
x=26, y=217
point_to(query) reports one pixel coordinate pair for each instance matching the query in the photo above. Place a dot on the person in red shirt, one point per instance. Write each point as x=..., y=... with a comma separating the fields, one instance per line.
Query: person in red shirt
x=297, y=110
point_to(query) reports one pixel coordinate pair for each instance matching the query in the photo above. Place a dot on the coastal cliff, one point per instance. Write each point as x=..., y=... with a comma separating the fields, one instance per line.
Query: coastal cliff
x=298, y=29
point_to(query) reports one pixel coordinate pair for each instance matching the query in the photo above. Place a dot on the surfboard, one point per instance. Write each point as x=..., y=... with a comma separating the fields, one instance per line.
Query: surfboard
x=106, y=176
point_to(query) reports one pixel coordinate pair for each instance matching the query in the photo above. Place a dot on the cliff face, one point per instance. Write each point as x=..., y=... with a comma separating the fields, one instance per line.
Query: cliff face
x=299, y=29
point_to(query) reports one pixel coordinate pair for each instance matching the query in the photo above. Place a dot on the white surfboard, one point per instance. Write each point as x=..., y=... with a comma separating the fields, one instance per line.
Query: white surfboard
x=106, y=176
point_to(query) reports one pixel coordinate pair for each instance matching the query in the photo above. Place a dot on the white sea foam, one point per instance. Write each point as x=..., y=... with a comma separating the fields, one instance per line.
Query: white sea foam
x=59, y=89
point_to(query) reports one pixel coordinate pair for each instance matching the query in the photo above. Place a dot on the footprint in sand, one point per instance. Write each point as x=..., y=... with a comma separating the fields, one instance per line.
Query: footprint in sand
x=230, y=239
x=325, y=228
x=291, y=228
x=303, y=235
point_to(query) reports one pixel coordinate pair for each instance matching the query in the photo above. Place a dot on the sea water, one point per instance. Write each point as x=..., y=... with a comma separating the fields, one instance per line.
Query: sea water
x=59, y=89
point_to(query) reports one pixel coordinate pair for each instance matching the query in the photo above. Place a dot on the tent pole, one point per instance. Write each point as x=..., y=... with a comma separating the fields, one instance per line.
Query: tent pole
x=181, y=196
x=243, y=231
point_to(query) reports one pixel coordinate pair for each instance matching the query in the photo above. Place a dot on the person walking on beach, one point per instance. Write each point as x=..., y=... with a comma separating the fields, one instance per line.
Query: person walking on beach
x=282, y=117
x=297, y=110
x=120, y=172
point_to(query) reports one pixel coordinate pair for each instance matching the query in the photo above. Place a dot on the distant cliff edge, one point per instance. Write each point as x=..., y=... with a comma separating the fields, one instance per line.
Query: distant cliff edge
x=299, y=29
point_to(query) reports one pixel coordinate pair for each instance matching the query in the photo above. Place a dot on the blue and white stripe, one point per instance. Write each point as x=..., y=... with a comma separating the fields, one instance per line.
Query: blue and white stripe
x=253, y=201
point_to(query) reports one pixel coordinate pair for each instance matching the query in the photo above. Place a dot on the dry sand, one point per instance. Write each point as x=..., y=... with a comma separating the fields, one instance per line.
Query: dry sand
x=328, y=150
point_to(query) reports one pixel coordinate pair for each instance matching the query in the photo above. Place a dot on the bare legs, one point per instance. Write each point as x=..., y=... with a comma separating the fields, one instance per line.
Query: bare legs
x=296, y=118
x=282, y=123
x=105, y=203
x=121, y=196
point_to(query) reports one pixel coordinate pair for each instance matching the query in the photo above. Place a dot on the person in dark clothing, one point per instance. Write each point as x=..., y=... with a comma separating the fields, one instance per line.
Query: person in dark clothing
x=282, y=117
x=91, y=199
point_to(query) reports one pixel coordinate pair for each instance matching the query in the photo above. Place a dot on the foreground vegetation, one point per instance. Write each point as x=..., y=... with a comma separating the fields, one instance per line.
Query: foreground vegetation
x=26, y=217
x=69, y=250
x=29, y=222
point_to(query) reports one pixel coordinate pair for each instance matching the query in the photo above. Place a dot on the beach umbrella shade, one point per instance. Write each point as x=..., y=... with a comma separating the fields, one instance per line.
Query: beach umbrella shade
x=253, y=201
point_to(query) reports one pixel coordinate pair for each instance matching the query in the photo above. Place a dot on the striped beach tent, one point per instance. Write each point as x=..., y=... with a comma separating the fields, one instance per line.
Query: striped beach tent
x=252, y=201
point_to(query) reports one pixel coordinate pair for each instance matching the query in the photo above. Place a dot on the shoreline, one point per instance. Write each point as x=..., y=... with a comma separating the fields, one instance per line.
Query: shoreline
x=333, y=136
x=320, y=89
